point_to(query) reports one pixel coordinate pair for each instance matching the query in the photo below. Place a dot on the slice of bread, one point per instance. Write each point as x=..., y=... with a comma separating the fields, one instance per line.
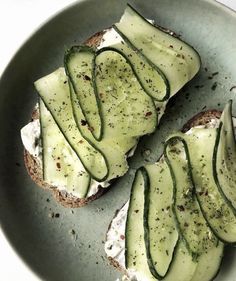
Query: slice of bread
x=34, y=168
x=199, y=119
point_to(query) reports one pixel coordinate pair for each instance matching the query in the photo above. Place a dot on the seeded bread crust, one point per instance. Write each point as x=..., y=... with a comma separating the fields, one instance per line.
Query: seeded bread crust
x=199, y=119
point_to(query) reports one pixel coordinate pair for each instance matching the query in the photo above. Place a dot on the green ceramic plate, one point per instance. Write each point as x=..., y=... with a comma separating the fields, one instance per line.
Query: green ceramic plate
x=44, y=243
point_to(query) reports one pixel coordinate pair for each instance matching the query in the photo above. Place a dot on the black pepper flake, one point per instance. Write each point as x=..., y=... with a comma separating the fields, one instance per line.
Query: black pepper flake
x=87, y=78
x=181, y=208
x=83, y=122
x=149, y=113
x=57, y=215
x=136, y=211
x=214, y=86
x=58, y=165
x=199, y=86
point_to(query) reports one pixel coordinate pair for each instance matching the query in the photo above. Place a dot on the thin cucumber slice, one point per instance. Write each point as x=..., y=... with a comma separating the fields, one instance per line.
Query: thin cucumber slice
x=114, y=150
x=191, y=224
x=125, y=143
x=161, y=235
x=219, y=214
x=209, y=264
x=224, y=157
x=78, y=65
x=182, y=267
x=127, y=111
x=149, y=75
x=61, y=165
x=135, y=251
x=54, y=91
x=178, y=61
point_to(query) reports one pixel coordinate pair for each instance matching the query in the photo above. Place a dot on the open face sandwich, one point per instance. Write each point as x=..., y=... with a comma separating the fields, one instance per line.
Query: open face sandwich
x=112, y=90
x=182, y=209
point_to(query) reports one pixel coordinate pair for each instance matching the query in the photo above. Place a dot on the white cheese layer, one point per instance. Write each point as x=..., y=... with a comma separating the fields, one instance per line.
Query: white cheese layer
x=115, y=240
x=110, y=37
x=30, y=135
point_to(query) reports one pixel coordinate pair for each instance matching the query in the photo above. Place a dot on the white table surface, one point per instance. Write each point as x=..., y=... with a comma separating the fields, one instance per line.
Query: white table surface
x=18, y=19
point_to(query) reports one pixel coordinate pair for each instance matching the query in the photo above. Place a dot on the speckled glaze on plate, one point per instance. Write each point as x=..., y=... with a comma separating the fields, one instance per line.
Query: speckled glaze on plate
x=69, y=246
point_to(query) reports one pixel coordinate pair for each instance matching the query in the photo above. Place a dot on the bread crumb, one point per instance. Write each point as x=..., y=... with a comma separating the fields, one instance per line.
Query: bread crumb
x=51, y=215
x=73, y=234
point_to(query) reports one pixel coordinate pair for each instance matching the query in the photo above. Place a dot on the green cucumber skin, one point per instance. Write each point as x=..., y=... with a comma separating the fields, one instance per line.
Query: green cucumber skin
x=128, y=62
x=214, y=160
x=167, y=94
x=174, y=198
x=199, y=57
x=146, y=225
x=229, y=203
x=41, y=136
x=146, y=229
x=174, y=202
x=126, y=224
x=195, y=255
x=67, y=55
x=197, y=195
x=75, y=49
x=94, y=177
x=131, y=45
x=49, y=158
x=72, y=146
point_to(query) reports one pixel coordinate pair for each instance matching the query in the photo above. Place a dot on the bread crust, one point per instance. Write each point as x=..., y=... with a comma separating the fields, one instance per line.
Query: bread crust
x=66, y=199
x=202, y=118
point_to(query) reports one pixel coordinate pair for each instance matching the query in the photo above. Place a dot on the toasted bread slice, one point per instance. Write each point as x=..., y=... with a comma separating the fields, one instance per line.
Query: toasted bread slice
x=35, y=170
x=199, y=119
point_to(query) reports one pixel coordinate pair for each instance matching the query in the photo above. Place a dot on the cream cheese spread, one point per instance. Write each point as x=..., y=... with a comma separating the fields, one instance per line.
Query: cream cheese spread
x=30, y=135
x=110, y=37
